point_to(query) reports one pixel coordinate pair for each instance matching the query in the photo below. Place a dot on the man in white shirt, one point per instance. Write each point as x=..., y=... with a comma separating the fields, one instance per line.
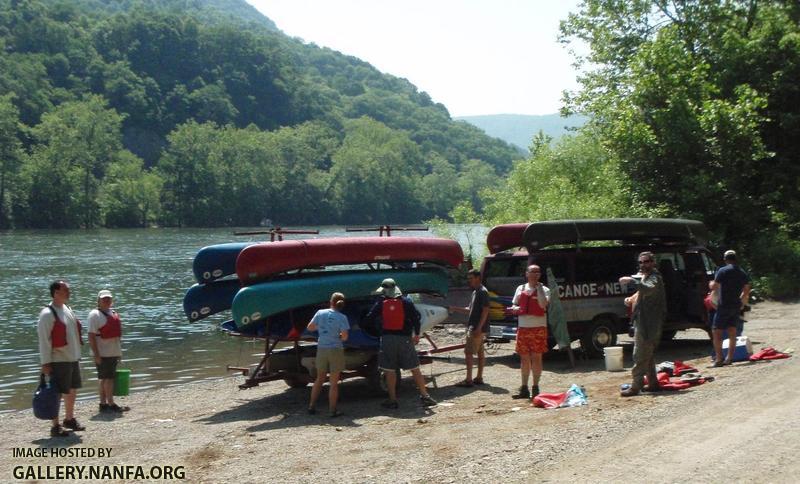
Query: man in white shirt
x=60, y=343
x=530, y=305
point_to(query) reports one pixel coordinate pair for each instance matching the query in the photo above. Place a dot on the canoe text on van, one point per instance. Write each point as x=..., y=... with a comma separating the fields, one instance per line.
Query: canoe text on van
x=592, y=289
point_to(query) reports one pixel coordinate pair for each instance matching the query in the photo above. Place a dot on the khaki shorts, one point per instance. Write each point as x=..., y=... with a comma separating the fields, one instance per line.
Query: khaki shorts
x=330, y=360
x=474, y=343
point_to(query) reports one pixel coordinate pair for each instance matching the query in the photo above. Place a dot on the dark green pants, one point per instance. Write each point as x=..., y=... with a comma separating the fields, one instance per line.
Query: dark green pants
x=644, y=361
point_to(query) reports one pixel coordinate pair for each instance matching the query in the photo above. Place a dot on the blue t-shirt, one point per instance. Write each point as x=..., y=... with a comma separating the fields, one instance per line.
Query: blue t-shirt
x=732, y=279
x=330, y=324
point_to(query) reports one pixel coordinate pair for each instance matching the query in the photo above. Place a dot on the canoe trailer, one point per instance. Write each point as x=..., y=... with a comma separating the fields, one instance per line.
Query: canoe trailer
x=294, y=364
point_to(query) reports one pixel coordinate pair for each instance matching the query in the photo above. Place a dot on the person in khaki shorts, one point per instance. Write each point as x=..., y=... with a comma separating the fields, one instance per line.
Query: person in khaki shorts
x=333, y=328
x=477, y=328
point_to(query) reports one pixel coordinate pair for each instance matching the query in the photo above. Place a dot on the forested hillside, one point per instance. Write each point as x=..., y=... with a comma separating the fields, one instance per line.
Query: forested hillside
x=202, y=113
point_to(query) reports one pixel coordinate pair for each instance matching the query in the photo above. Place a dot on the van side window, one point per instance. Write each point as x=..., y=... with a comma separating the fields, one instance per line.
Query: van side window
x=604, y=267
x=711, y=267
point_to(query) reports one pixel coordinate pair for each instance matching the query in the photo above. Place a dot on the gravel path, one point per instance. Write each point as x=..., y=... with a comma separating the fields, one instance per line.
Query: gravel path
x=742, y=427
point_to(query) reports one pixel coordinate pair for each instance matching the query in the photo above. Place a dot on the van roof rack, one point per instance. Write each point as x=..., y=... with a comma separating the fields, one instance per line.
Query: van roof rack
x=539, y=235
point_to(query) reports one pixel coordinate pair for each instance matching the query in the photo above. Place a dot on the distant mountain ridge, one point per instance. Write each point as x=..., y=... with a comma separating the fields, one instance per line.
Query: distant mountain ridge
x=519, y=129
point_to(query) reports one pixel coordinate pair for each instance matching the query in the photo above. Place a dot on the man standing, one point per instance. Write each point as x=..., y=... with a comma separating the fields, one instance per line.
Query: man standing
x=60, y=350
x=733, y=285
x=477, y=327
x=530, y=305
x=649, y=312
x=105, y=335
x=399, y=323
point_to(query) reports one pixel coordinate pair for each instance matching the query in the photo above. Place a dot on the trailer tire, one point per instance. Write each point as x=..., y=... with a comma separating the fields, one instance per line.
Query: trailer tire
x=295, y=382
x=601, y=333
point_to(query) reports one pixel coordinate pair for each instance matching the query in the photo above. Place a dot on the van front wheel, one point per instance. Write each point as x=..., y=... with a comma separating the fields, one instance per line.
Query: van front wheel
x=602, y=333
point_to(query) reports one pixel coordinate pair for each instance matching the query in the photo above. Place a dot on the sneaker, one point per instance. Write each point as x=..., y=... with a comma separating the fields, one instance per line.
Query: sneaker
x=73, y=425
x=427, y=401
x=312, y=411
x=104, y=407
x=57, y=431
x=335, y=413
x=390, y=404
x=523, y=393
x=113, y=407
x=534, y=390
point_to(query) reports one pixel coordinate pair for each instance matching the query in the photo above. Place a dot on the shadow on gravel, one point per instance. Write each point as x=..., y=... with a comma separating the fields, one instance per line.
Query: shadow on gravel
x=356, y=400
x=72, y=439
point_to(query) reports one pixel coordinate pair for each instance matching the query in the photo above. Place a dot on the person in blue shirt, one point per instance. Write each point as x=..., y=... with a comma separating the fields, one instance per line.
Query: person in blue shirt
x=333, y=328
x=733, y=286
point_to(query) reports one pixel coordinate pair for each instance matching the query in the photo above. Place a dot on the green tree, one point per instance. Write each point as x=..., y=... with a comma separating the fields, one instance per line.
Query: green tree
x=576, y=178
x=130, y=195
x=78, y=139
x=699, y=102
x=374, y=174
x=10, y=152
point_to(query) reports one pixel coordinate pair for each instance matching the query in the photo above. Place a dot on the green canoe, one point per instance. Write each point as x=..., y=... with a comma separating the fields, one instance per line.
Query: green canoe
x=257, y=302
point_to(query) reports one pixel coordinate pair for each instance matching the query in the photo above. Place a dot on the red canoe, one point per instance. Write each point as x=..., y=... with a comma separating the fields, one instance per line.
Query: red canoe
x=259, y=261
x=506, y=236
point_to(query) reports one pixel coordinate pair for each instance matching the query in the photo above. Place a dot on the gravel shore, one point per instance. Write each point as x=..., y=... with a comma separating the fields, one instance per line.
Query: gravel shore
x=743, y=426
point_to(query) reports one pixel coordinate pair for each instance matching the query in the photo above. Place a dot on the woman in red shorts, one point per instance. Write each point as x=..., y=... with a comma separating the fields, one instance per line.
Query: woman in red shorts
x=530, y=305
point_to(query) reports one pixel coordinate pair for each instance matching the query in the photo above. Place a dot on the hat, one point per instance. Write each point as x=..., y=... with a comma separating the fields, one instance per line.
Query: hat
x=104, y=293
x=389, y=288
x=730, y=255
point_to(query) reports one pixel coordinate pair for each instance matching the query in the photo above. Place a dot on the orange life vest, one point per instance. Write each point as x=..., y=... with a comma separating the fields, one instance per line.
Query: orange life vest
x=58, y=335
x=393, y=314
x=528, y=304
x=113, y=326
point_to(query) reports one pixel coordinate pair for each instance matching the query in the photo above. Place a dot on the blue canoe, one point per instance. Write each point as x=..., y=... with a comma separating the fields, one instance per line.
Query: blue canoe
x=203, y=300
x=217, y=261
x=260, y=301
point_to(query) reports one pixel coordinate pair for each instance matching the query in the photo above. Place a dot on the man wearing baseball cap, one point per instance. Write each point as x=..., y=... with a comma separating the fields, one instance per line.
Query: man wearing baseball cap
x=399, y=324
x=733, y=285
x=105, y=334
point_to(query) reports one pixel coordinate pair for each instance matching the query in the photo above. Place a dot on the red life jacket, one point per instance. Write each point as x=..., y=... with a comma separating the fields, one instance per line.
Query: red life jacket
x=58, y=335
x=528, y=304
x=393, y=314
x=113, y=326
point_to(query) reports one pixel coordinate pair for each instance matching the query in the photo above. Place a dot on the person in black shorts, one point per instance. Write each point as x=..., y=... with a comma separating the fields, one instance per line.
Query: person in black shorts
x=60, y=343
x=399, y=323
x=733, y=285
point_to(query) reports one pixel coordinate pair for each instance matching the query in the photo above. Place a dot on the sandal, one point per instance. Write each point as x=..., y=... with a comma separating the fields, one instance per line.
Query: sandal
x=717, y=364
x=465, y=384
x=335, y=413
x=57, y=431
x=73, y=425
x=478, y=381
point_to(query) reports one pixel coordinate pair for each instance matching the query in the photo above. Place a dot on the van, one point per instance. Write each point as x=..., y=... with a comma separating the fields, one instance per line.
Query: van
x=587, y=258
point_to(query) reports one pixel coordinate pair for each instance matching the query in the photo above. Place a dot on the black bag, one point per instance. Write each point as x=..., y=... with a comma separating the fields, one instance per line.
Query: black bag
x=46, y=400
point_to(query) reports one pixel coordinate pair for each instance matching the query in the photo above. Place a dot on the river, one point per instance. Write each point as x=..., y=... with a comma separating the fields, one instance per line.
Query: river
x=148, y=270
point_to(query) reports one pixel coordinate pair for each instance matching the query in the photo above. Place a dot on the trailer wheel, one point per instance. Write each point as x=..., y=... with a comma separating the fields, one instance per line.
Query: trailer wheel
x=295, y=382
x=600, y=334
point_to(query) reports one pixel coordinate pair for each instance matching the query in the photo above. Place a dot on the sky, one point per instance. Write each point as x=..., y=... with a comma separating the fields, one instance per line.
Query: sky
x=474, y=56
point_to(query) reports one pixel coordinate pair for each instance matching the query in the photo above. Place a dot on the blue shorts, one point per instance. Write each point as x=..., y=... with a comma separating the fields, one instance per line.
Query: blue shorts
x=725, y=319
x=397, y=352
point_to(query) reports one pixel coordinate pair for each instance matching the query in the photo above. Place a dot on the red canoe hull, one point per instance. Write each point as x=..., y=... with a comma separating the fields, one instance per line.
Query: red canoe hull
x=503, y=237
x=260, y=261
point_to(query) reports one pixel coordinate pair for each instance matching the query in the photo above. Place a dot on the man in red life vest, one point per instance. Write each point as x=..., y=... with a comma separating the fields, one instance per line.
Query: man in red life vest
x=530, y=305
x=399, y=324
x=105, y=333
x=60, y=342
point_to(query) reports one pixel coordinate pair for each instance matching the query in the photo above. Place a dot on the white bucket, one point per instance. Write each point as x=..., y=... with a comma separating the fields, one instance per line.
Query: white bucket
x=613, y=356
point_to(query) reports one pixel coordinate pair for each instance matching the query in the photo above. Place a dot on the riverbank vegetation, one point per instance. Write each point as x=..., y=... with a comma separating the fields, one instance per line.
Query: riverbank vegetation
x=131, y=114
x=694, y=111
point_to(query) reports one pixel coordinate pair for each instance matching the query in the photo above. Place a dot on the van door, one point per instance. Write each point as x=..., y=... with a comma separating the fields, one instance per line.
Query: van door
x=699, y=271
x=673, y=271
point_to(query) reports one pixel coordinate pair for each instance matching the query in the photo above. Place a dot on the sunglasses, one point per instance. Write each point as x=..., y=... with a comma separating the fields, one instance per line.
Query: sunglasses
x=387, y=286
x=649, y=261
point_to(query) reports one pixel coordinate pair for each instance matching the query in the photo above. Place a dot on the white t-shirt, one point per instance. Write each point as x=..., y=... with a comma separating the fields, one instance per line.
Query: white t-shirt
x=543, y=297
x=69, y=353
x=106, y=347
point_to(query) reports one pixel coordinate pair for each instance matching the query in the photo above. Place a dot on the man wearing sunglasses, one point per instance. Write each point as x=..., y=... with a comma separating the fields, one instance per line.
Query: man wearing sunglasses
x=648, y=319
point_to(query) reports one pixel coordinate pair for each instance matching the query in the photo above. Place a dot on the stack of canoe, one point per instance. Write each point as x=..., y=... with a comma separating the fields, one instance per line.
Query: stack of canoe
x=282, y=281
